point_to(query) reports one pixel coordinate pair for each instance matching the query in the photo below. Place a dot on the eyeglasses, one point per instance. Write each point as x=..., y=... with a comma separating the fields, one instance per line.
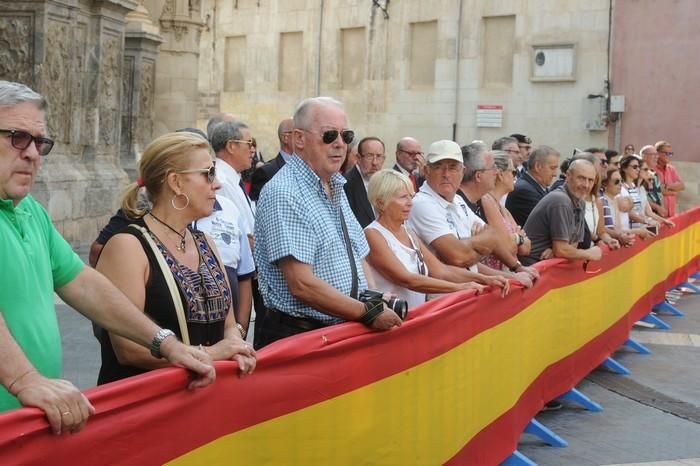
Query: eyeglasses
x=21, y=140
x=668, y=154
x=330, y=135
x=249, y=142
x=604, y=162
x=209, y=172
x=373, y=156
x=412, y=154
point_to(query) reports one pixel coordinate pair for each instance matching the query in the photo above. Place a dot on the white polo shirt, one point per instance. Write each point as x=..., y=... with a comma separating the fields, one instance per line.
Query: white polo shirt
x=230, y=189
x=433, y=216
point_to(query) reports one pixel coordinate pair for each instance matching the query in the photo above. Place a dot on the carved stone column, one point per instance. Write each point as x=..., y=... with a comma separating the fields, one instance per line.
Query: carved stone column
x=140, y=53
x=177, y=95
x=72, y=52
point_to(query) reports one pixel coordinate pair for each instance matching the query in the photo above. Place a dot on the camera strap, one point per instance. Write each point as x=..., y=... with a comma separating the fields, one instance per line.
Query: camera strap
x=351, y=257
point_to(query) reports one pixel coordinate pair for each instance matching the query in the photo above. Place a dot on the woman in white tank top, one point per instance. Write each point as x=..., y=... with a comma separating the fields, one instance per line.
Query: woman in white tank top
x=401, y=264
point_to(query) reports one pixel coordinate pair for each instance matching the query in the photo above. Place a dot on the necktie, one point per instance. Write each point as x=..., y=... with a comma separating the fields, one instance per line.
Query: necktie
x=245, y=194
x=412, y=177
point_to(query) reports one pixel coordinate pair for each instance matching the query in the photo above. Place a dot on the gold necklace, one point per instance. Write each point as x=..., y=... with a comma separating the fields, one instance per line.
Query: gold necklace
x=182, y=235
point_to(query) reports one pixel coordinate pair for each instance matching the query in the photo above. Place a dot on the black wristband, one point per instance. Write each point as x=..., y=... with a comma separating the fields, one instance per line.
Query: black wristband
x=372, y=310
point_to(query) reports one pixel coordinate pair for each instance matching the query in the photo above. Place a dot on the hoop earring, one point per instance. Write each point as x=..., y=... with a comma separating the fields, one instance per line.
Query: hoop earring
x=187, y=201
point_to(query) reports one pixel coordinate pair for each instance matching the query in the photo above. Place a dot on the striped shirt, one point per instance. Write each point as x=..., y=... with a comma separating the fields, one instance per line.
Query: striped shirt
x=631, y=191
x=296, y=218
x=608, y=216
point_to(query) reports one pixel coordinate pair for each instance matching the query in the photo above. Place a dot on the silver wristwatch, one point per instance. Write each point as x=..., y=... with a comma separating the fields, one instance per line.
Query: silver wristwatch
x=161, y=335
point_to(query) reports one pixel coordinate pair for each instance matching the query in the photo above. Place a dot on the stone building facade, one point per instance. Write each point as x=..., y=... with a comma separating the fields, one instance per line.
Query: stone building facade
x=119, y=72
x=458, y=69
x=72, y=51
x=412, y=67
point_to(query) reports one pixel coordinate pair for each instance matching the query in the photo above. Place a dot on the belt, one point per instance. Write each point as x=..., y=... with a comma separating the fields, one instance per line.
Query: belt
x=304, y=323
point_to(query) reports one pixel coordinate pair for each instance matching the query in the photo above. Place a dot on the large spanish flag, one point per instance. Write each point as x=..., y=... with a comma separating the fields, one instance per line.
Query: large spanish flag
x=456, y=383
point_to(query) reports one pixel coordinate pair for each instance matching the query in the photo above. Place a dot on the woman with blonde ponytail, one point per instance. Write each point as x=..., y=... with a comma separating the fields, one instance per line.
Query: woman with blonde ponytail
x=177, y=178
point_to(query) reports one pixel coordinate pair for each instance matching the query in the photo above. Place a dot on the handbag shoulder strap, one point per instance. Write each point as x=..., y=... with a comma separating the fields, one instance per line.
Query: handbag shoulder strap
x=170, y=281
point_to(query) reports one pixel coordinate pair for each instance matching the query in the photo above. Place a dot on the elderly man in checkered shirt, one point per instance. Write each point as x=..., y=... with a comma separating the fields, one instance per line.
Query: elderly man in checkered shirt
x=309, y=247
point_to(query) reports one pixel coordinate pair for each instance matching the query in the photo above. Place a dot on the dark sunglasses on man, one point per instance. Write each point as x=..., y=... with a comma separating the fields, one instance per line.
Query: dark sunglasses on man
x=21, y=140
x=329, y=136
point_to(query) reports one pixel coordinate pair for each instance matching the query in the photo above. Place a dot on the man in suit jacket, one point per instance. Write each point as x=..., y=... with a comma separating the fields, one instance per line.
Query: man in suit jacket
x=525, y=146
x=370, y=158
x=410, y=161
x=533, y=184
x=265, y=173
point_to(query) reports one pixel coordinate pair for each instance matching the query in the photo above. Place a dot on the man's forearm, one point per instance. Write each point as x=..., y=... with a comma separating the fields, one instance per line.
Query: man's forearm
x=13, y=362
x=564, y=250
x=318, y=294
x=94, y=296
x=676, y=186
x=323, y=297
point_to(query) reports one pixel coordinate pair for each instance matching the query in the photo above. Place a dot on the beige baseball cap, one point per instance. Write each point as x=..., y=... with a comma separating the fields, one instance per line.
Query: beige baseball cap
x=444, y=150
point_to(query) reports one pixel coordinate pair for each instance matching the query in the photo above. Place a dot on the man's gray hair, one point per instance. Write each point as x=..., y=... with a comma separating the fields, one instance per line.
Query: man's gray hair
x=13, y=94
x=501, y=159
x=501, y=143
x=303, y=114
x=473, y=156
x=216, y=119
x=540, y=155
x=225, y=131
x=585, y=156
x=646, y=148
x=576, y=164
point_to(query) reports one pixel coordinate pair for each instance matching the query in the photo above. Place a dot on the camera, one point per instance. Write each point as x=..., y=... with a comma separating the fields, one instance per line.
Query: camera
x=399, y=306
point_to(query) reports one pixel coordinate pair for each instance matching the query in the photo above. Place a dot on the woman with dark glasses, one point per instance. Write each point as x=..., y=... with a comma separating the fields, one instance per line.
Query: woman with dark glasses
x=402, y=265
x=644, y=184
x=612, y=183
x=497, y=214
x=170, y=271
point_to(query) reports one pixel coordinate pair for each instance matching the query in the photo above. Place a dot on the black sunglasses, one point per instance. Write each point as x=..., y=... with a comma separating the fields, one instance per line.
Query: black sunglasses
x=22, y=139
x=330, y=135
x=209, y=172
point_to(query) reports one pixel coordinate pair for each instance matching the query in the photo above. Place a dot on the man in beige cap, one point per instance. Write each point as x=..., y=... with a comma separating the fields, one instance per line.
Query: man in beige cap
x=443, y=220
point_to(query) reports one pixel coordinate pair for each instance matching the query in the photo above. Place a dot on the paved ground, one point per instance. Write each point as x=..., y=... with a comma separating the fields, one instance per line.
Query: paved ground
x=651, y=417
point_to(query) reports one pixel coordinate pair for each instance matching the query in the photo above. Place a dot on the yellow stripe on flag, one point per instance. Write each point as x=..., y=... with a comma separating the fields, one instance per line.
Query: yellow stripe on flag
x=426, y=414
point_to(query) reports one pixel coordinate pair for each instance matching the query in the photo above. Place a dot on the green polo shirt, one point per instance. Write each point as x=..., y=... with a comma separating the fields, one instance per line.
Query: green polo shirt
x=35, y=260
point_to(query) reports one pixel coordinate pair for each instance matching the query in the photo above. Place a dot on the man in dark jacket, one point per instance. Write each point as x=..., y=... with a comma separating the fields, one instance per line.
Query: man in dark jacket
x=370, y=158
x=265, y=173
x=533, y=184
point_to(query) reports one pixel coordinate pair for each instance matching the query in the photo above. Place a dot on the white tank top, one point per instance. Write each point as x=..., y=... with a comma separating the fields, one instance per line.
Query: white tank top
x=408, y=257
x=591, y=215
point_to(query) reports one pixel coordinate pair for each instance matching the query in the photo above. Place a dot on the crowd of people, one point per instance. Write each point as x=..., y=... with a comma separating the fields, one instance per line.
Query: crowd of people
x=319, y=235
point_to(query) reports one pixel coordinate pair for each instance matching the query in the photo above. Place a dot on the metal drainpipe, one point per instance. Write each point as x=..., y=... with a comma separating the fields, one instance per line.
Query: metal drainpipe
x=459, y=43
x=318, y=58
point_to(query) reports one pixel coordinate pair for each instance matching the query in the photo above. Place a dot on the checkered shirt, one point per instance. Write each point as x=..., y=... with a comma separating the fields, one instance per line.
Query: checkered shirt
x=296, y=218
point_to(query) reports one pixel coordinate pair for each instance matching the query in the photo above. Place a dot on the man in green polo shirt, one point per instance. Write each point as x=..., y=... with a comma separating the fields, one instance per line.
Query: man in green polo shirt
x=36, y=261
